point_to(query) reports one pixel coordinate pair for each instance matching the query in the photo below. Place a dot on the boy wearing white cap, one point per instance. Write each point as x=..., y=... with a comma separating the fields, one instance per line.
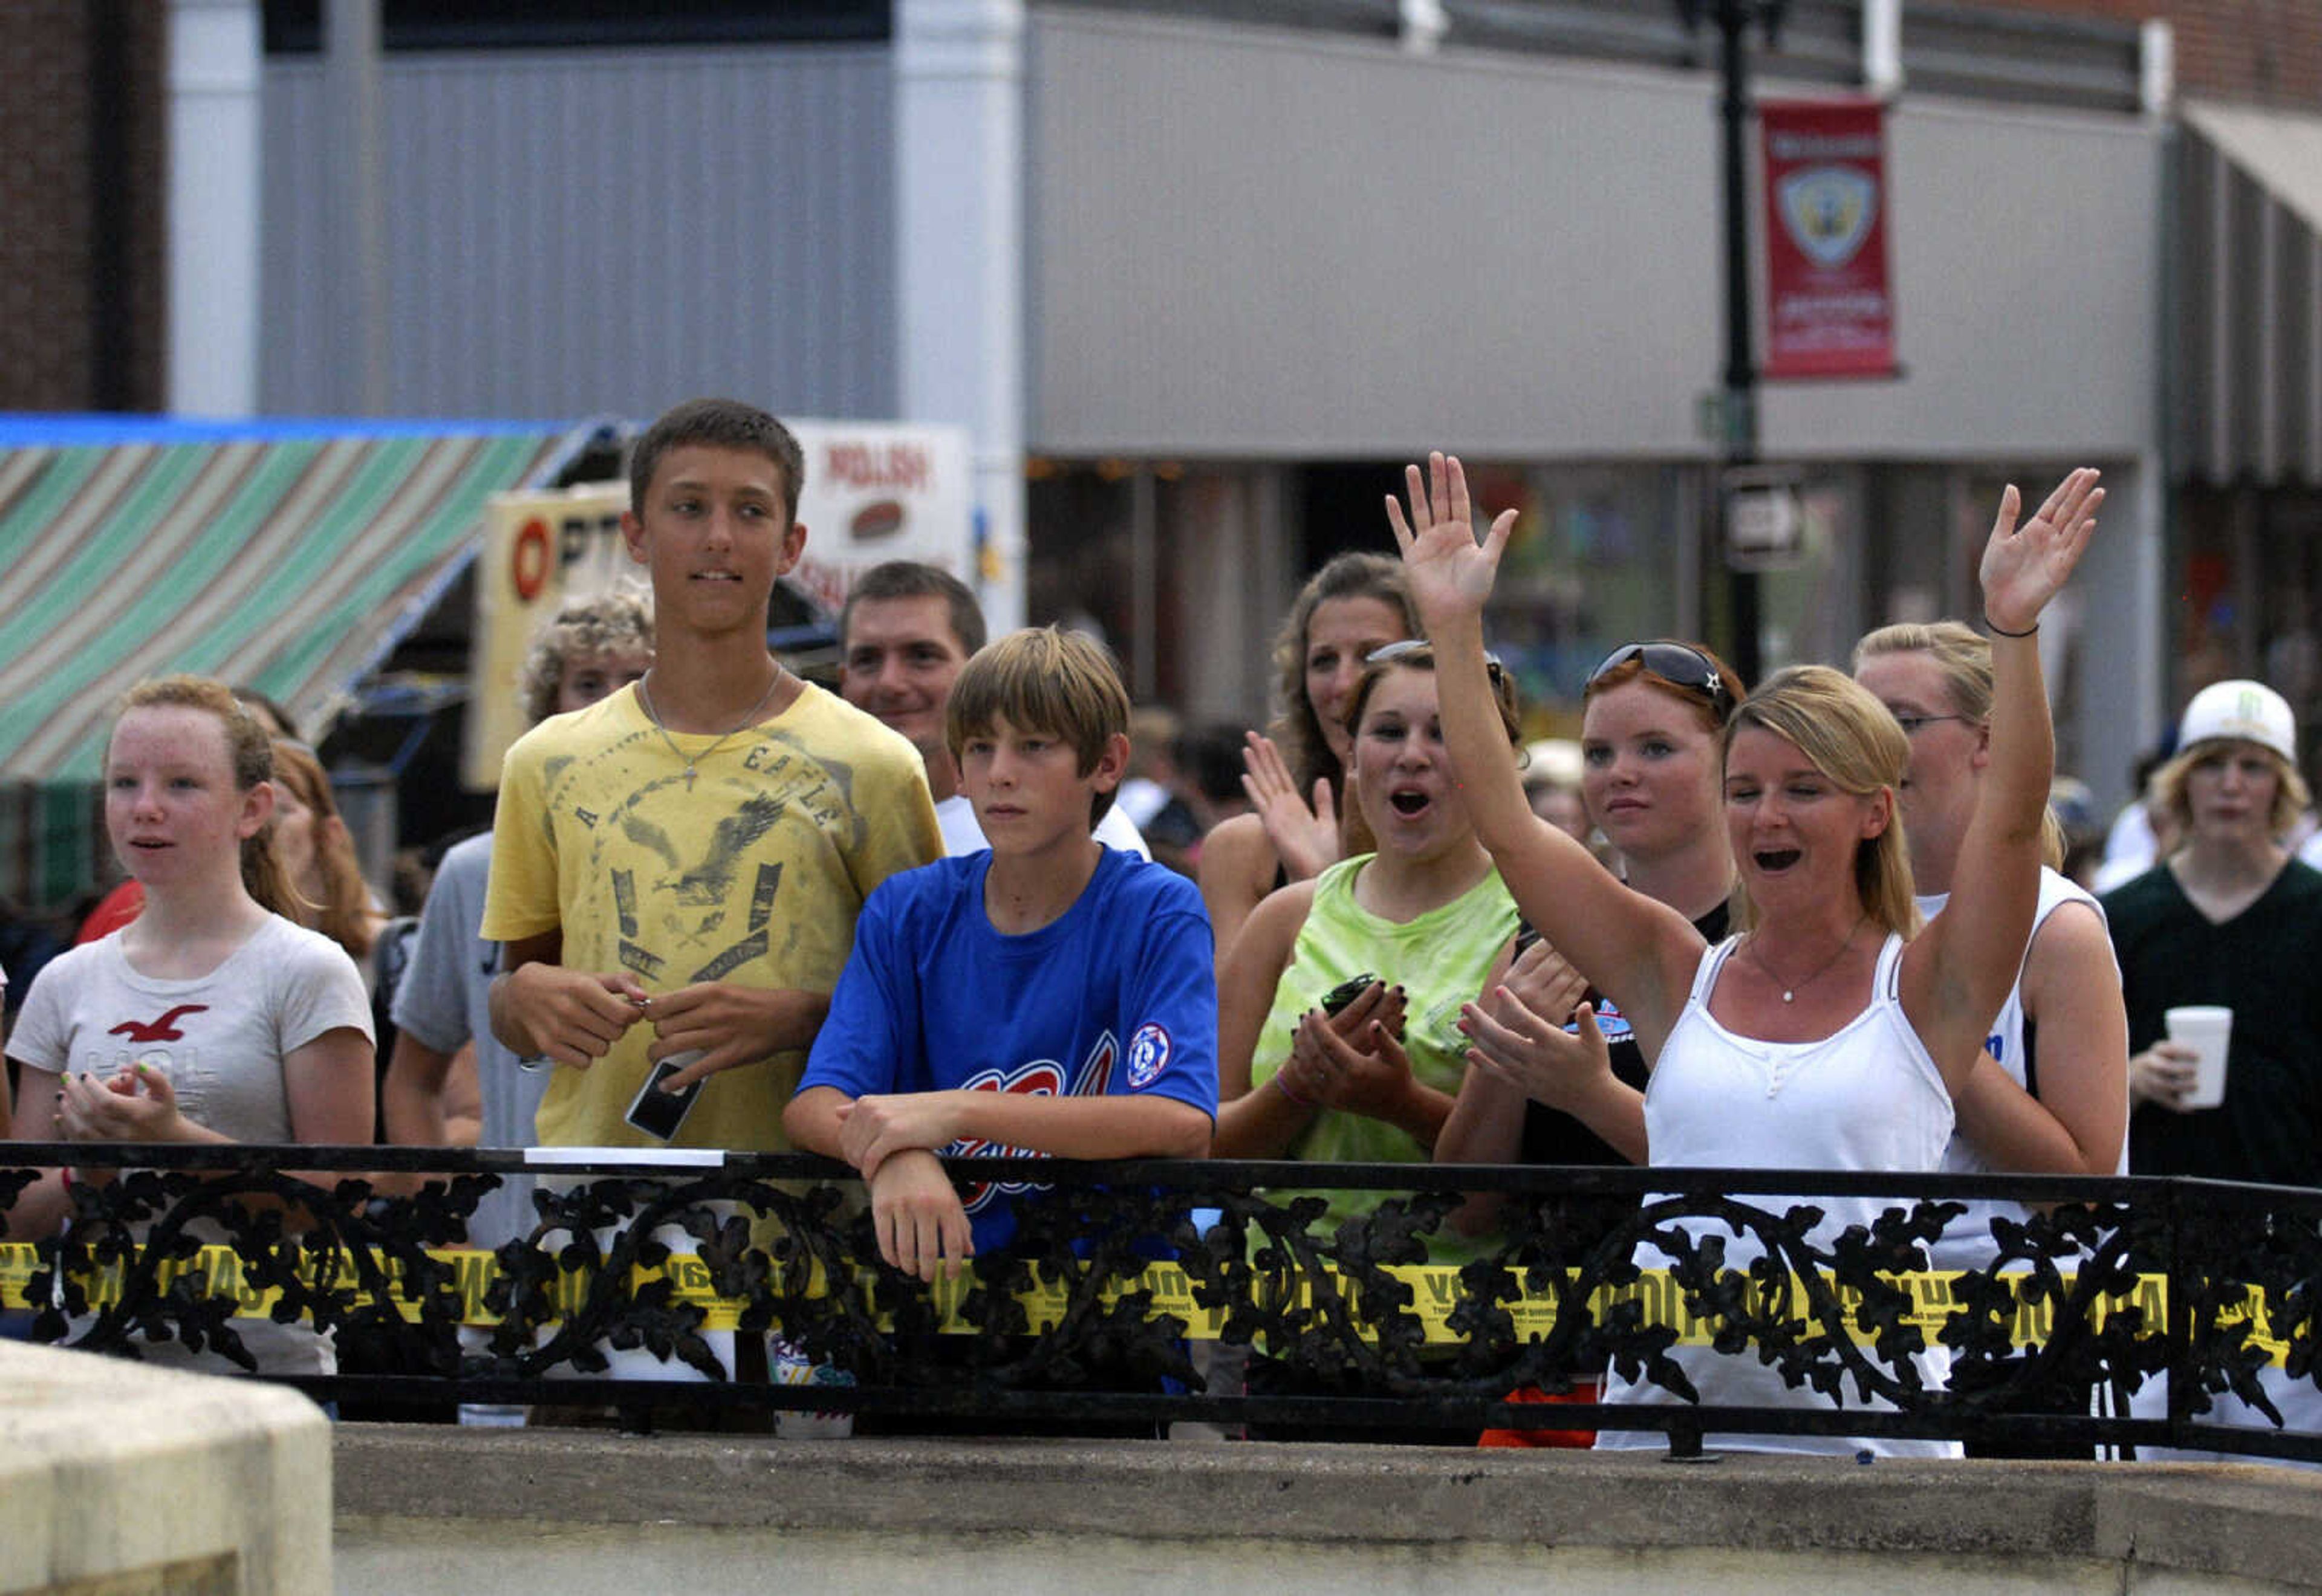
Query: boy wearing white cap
x=2229, y=919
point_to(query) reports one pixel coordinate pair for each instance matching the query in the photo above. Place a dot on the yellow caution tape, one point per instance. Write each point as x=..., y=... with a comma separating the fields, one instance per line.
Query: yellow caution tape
x=1434, y=1292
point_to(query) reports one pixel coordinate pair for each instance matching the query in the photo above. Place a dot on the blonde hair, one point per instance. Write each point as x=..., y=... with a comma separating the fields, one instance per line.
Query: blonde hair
x=1852, y=739
x=621, y=618
x=249, y=751
x=1046, y=679
x=2291, y=796
x=1962, y=658
x=344, y=915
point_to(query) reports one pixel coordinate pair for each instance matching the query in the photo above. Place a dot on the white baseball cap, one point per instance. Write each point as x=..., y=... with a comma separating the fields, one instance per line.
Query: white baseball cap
x=1552, y=760
x=2244, y=711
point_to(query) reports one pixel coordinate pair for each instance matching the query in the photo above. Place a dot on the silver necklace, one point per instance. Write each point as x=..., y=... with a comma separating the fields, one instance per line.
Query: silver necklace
x=1790, y=991
x=644, y=697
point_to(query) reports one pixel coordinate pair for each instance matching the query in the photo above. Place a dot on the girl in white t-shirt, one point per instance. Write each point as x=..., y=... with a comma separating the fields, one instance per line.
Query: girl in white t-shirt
x=211, y=1016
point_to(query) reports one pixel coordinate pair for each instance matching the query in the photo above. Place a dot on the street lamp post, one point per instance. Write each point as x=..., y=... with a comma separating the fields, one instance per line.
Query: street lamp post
x=1738, y=434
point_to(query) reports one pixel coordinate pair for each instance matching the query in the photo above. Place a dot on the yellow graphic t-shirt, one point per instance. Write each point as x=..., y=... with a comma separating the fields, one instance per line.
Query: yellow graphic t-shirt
x=753, y=873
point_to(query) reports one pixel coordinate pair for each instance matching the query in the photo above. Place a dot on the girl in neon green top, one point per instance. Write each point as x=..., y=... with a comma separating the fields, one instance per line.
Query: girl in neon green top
x=1426, y=915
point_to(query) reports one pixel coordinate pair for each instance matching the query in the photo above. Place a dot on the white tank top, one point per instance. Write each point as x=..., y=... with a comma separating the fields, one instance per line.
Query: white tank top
x=1867, y=1096
x=1967, y=1241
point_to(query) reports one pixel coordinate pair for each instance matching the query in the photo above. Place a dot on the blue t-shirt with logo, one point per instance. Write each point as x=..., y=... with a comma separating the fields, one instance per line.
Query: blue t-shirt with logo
x=1116, y=996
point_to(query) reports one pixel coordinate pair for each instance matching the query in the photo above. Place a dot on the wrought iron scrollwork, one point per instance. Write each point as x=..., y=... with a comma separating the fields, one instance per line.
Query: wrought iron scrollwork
x=1386, y=1314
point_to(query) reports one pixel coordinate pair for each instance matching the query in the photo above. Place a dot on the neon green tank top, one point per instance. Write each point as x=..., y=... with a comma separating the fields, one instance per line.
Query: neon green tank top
x=1440, y=959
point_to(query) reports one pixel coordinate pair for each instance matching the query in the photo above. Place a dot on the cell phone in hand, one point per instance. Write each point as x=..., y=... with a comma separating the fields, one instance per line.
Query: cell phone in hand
x=1347, y=991
x=659, y=1113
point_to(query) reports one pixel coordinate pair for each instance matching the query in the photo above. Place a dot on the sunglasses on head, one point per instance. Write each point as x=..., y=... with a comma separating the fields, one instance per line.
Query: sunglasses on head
x=1677, y=665
x=1412, y=646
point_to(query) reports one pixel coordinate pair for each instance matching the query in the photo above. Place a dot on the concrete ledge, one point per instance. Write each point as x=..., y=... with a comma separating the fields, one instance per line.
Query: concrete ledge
x=117, y=1477
x=1754, y=1522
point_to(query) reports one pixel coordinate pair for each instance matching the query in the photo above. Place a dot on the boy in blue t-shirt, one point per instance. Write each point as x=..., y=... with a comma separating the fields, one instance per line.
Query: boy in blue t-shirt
x=1052, y=996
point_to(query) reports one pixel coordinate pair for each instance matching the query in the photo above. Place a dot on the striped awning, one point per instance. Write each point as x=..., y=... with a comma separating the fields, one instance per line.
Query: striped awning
x=290, y=557
x=2249, y=276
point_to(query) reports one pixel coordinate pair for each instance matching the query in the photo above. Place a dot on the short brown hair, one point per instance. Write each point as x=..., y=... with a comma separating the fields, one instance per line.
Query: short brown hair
x=911, y=579
x=1418, y=655
x=718, y=424
x=1045, y=679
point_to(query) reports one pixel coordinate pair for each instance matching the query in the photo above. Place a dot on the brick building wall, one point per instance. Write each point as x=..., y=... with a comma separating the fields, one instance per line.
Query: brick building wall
x=81, y=193
x=2261, y=52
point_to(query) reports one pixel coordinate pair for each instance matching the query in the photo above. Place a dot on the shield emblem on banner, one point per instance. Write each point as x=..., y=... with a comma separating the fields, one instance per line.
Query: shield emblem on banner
x=1827, y=211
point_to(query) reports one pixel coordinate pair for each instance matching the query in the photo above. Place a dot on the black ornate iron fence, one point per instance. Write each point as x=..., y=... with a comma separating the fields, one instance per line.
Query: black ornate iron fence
x=2186, y=1309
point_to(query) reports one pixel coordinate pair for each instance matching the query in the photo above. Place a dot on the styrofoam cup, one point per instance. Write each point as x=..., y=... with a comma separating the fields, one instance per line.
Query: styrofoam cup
x=2206, y=1029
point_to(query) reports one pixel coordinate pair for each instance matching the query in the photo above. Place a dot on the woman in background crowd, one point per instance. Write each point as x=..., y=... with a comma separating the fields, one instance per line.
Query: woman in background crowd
x=318, y=853
x=2049, y=1095
x=2055, y=1098
x=1652, y=717
x=1352, y=606
x=2229, y=919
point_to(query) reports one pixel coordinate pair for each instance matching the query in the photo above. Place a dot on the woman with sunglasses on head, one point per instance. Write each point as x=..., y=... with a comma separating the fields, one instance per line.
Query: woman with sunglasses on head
x=1652, y=718
x=1827, y=1036
x=1652, y=715
x=1337, y=1007
x=1353, y=606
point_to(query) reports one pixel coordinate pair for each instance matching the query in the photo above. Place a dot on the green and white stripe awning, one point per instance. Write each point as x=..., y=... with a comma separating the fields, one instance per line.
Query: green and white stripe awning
x=287, y=556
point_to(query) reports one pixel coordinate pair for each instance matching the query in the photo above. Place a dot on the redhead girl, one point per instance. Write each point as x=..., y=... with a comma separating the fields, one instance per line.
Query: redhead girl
x=1652, y=728
x=211, y=1016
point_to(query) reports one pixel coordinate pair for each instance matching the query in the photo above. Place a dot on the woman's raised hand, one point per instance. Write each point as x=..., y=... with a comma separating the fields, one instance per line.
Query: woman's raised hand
x=2024, y=567
x=1305, y=840
x=1451, y=575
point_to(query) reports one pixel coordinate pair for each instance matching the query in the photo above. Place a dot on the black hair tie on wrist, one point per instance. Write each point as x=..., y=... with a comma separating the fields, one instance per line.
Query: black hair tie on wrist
x=1999, y=631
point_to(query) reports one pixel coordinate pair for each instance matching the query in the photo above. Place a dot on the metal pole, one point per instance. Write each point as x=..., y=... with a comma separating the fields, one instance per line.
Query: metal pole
x=1740, y=430
x=112, y=383
x=350, y=66
x=1144, y=583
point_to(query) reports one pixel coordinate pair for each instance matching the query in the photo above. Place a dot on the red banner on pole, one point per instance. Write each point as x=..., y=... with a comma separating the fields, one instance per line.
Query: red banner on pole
x=1829, y=309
